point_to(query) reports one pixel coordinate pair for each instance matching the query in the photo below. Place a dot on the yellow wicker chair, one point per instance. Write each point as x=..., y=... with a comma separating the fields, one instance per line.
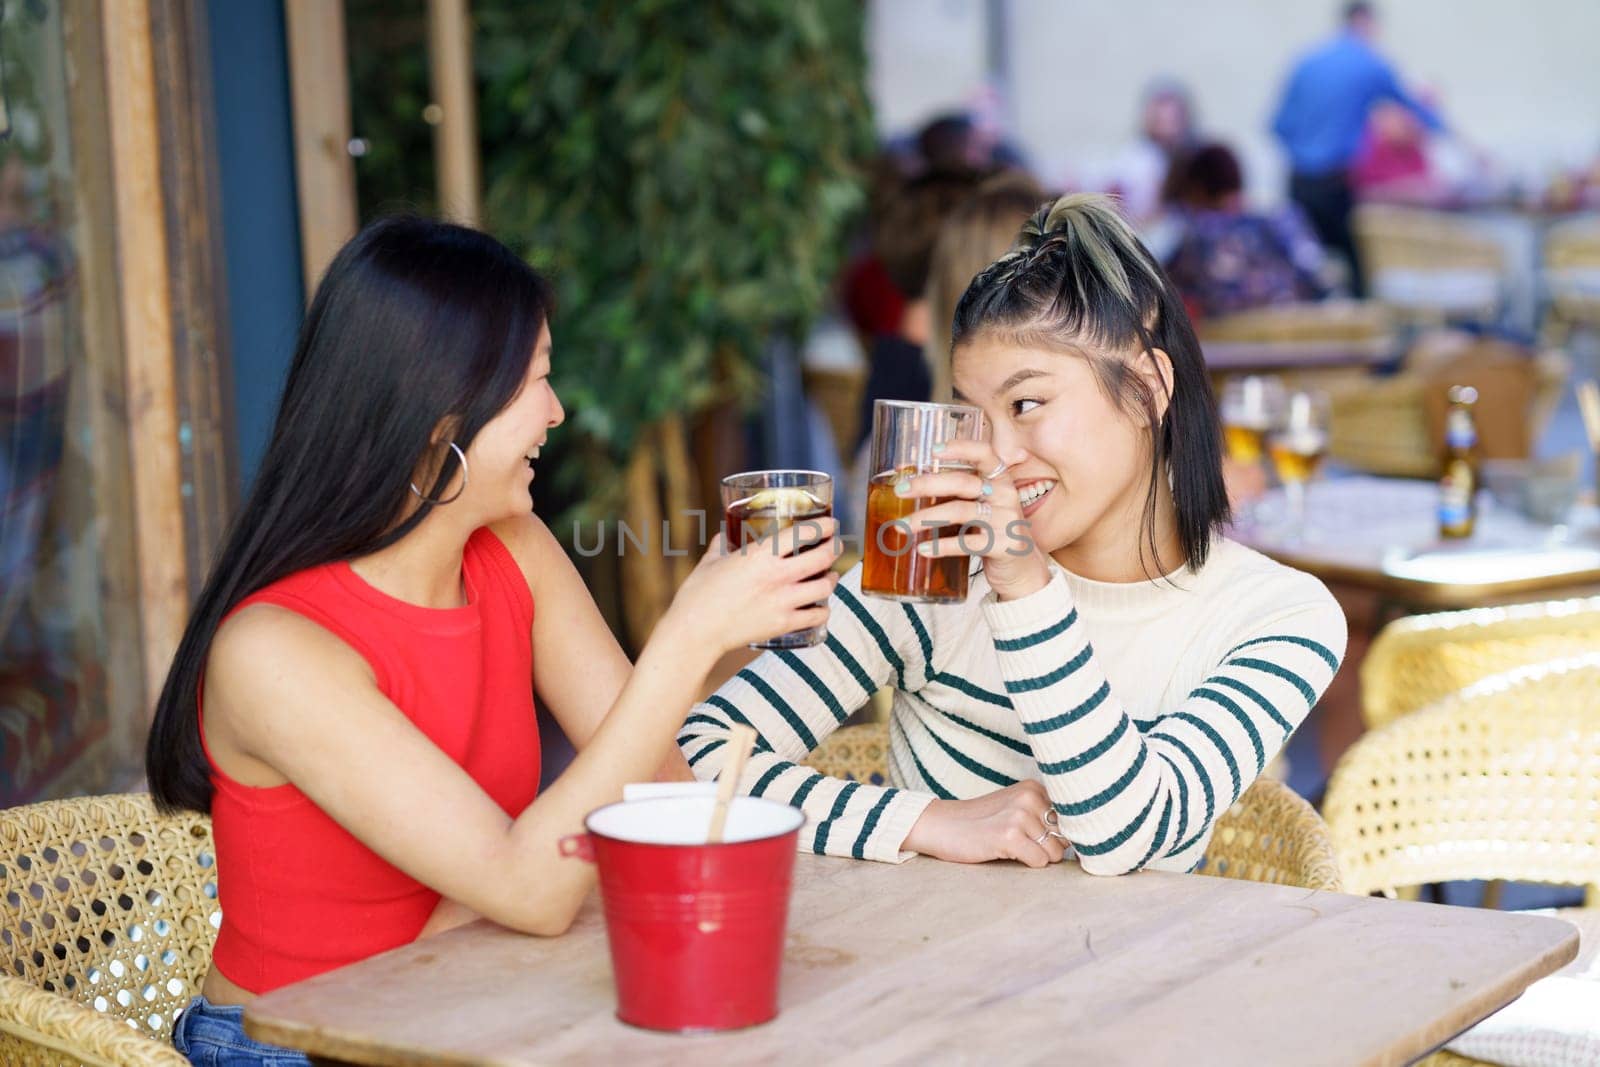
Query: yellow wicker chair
x=109, y=916
x=859, y=753
x=1429, y=266
x=1418, y=660
x=1572, y=276
x=1496, y=781
x=1358, y=324
x=1269, y=835
x=1395, y=425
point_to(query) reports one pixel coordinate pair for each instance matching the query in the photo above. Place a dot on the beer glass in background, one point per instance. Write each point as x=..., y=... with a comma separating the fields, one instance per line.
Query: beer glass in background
x=758, y=504
x=1297, y=445
x=903, y=436
x=1249, y=408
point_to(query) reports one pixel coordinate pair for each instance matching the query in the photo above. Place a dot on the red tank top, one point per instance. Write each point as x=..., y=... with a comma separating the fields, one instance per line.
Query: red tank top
x=299, y=894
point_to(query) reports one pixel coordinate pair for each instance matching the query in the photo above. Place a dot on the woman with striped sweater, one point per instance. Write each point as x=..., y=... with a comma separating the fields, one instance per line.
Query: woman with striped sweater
x=1120, y=671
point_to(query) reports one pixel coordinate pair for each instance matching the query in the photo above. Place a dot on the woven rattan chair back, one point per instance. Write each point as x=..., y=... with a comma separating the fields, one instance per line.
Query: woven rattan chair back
x=1270, y=835
x=1572, y=274
x=109, y=914
x=859, y=753
x=1428, y=265
x=1496, y=781
x=1416, y=661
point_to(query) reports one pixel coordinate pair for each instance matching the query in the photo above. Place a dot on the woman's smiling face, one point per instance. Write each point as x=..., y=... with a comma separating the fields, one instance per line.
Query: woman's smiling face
x=1079, y=459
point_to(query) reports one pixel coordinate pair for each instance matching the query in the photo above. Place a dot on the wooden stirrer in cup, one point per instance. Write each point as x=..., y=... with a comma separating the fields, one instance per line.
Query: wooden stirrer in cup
x=741, y=739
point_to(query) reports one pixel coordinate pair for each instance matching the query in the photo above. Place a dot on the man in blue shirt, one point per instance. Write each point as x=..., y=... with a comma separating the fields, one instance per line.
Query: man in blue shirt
x=1320, y=121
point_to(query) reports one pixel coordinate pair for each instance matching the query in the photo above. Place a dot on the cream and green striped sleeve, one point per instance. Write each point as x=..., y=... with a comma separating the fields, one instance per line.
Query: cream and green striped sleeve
x=794, y=699
x=1133, y=792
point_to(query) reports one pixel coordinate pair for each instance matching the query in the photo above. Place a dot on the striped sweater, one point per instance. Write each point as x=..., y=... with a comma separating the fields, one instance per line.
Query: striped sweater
x=1145, y=708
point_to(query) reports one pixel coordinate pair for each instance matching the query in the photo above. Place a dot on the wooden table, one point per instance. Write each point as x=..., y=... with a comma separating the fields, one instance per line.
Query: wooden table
x=1235, y=357
x=1382, y=534
x=937, y=962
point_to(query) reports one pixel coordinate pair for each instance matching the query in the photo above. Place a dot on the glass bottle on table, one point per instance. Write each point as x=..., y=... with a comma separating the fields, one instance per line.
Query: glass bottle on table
x=1458, y=484
x=1297, y=446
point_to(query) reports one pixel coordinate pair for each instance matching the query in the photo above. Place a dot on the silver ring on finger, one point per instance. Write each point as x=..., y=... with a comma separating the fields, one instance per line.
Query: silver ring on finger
x=1051, y=819
x=985, y=510
x=997, y=472
x=1042, y=838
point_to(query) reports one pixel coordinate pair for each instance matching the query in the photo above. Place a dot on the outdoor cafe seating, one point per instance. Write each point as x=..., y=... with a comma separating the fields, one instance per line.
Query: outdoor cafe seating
x=117, y=903
x=1494, y=781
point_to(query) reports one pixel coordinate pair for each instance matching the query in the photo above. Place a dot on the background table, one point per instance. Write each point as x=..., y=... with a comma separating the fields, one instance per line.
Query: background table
x=939, y=962
x=1382, y=534
x=1256, y=357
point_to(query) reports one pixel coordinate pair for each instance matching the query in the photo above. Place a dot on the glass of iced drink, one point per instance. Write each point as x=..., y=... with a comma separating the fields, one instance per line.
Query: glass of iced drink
x=1297, y=446
x=1249, y=408
x=758, y=504
x=903, y=436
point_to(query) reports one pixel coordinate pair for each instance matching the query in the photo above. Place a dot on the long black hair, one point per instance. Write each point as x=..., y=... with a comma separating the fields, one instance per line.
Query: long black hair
x=416, y=323
x=1079, y=273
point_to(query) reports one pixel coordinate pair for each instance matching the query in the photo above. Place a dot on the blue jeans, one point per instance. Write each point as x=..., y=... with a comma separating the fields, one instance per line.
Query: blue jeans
x=212, y=1035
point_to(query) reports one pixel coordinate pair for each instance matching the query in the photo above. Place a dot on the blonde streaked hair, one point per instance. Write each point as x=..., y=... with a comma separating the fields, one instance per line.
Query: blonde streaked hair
x=978, y=232
x=1079, y=281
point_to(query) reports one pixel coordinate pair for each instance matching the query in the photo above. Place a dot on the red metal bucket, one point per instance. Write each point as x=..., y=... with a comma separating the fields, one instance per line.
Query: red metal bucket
x=696, y=930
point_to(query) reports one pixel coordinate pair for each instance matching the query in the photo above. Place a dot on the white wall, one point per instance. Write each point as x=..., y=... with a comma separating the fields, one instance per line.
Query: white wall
x=1521, y=81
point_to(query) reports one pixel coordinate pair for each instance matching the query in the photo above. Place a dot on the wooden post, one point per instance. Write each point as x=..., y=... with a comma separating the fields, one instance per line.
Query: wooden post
x=646, y=576
x=455, y=111
x=325, y=179
x=145, y=310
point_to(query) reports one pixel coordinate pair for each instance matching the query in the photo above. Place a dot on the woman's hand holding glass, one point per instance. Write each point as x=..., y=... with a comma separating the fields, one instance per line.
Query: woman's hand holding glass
x=983, y=515
x=770, y=587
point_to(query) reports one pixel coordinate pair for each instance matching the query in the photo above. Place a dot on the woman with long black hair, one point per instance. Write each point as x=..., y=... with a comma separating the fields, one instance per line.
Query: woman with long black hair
x=352, y=700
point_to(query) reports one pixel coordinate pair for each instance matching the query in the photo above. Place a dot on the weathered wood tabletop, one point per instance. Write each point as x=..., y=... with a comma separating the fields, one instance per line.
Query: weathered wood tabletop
x=939, y=962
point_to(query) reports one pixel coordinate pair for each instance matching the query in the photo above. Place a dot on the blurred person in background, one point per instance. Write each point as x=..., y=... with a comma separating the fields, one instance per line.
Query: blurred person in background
x=870, y=299
x=977, y=232
x=1229, y=259
x=1392, y=162
x=904, y=231
x=1166, y=134
x=1321, y=118
x=952, y=143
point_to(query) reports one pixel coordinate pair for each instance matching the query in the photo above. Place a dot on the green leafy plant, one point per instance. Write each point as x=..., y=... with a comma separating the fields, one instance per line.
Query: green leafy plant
x=686, y=171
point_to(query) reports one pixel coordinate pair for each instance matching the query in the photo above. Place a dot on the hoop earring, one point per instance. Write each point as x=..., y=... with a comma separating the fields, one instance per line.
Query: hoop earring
x=460, y=455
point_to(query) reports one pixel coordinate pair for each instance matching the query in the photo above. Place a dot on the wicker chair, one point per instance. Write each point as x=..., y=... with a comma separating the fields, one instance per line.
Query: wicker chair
x=109, y=917
x=1269, y=835
x=1429, y=266
x=1418, y=660
x=858, y=753
x=1572, y=277
x=1496, y=781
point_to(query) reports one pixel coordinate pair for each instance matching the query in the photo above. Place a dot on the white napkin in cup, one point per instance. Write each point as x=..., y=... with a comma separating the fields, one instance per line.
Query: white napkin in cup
x=655, y=790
